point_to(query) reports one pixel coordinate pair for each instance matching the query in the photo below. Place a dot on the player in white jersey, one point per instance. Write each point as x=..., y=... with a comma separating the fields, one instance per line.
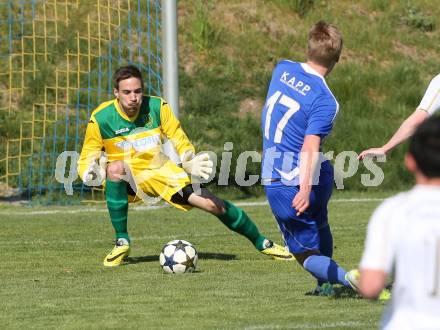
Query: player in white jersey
x=404, y=237
x=430, y=103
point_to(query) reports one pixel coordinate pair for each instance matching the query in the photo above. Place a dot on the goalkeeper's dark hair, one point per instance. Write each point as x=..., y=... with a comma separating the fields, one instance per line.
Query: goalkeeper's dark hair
x=126, y=72
x=424, y=146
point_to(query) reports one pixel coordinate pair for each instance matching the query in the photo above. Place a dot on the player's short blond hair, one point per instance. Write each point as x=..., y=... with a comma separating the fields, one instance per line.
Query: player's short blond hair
x=324, y=44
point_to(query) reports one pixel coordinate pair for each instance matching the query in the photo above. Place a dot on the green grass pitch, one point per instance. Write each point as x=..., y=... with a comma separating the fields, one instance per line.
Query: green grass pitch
x=52, y=274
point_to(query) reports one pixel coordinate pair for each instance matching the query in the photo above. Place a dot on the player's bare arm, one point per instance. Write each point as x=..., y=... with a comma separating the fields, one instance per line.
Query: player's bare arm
x=308, y=160
x=429, y=104
x=402, y=134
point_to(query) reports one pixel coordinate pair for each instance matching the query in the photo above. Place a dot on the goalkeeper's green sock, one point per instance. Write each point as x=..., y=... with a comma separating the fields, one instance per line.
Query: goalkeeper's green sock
x=117, y=203
x=237, y=220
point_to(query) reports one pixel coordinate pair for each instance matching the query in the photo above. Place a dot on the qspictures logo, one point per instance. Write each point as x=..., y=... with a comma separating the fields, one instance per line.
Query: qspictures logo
x=346, y=165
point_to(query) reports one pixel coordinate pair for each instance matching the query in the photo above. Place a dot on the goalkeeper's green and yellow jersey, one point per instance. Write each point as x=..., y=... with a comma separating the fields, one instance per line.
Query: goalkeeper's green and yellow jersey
x=138, y=140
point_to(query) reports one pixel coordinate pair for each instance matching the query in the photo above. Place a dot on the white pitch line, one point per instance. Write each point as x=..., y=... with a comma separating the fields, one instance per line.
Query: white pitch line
x=322, y=325
x=338, y=200
x=156, y=207
x=82, y=210
x=354, y=200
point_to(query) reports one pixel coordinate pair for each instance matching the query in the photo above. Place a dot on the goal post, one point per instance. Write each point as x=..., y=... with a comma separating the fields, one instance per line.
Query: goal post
x=57, y=58
x=170, y=54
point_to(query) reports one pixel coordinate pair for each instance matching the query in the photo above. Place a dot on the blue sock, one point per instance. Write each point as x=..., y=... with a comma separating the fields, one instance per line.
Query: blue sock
x=325, y=244
x=326, y=241
x=325, y=269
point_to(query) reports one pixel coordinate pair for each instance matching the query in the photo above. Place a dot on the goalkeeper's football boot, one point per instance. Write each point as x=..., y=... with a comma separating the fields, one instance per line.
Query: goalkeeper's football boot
x=276, y=251
x=120, y=251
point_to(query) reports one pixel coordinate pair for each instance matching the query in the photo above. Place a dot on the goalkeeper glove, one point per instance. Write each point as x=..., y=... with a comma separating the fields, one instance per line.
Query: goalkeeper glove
x=96, y=172
x=199, y=165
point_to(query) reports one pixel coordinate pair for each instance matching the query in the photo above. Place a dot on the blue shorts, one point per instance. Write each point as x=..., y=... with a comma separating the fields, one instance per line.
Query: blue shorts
x=300, y=233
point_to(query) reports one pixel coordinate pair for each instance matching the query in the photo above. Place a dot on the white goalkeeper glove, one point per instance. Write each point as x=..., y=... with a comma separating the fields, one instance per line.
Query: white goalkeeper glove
x=199, y=165
x=96, y=173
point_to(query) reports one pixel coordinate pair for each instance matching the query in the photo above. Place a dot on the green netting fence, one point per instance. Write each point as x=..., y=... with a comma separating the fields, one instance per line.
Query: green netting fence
x=56, y=63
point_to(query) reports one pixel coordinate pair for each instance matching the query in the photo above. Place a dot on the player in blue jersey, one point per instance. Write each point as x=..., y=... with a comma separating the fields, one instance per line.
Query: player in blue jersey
x=298, y=114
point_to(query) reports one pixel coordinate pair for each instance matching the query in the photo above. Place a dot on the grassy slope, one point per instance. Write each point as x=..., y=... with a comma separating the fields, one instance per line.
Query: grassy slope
x=52, y=275
x=228, y=48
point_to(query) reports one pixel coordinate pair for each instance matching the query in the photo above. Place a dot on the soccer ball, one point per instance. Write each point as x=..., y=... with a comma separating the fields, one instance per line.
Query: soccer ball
x=178, y=257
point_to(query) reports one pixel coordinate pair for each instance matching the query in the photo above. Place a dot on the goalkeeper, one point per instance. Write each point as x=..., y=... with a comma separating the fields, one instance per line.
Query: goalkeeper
x=130, y=130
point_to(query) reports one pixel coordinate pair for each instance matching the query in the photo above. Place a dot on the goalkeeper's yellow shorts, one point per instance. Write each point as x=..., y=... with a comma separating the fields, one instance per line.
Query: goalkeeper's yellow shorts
x=152, y=185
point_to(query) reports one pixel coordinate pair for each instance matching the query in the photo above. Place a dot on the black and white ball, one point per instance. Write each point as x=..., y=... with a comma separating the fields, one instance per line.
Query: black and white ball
x=178, y=257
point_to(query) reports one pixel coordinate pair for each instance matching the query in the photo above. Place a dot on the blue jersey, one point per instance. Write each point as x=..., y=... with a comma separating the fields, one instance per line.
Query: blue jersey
x=298, y=103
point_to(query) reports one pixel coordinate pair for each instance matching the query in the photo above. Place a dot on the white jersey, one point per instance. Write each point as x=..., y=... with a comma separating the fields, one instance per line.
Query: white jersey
x=431, y=100
x=404, y=236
